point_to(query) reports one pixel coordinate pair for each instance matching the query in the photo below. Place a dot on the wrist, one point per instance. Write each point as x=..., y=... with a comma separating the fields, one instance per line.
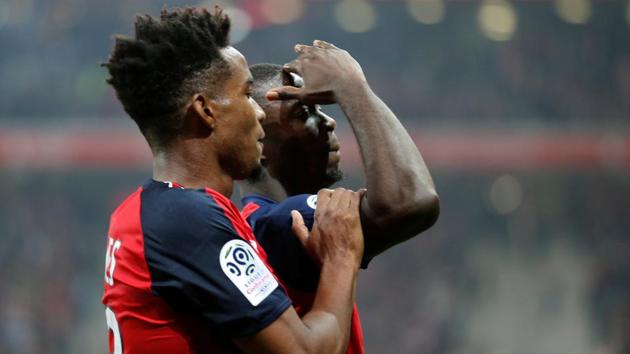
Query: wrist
x=352, y=90
x=343, y=260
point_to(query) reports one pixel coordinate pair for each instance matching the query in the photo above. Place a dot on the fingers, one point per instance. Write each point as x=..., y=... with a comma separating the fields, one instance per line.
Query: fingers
x=323, y=44
x=294, y=66
x=318, y=43
x=356, y=198
x=323, y=196
x=341, y=198
x=349, y=199
x=323, y=199
x=299, y=228
x=284, y=93
x=302, y=49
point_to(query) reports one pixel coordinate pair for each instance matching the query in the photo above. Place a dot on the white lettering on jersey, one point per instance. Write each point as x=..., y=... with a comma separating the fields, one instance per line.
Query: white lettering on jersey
x=110, y=260
x=247, y=271
x=312, y=201
x=112, y=325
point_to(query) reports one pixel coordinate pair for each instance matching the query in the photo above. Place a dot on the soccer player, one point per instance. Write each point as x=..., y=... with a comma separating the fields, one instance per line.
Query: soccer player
x=184, y=273
x=301, y=156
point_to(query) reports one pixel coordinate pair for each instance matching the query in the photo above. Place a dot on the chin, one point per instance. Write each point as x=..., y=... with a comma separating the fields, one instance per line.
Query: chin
x=247, y=172
x=333, y=175
x=256, y=174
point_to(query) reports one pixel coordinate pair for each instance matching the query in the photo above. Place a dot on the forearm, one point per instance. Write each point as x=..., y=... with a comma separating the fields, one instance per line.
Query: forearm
x=330, y=317
x=323, y=330
x=400, y=188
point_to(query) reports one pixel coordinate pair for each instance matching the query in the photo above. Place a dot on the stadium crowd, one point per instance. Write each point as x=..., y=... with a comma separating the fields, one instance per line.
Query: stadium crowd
x=553, y=271
x=557, y=265
x=549, y=72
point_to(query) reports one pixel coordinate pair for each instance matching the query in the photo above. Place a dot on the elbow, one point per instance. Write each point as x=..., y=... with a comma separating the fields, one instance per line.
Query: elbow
x=425, y=212
x=411, y=216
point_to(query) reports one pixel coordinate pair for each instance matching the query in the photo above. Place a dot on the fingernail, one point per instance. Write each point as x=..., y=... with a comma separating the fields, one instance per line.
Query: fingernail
x=273, y=95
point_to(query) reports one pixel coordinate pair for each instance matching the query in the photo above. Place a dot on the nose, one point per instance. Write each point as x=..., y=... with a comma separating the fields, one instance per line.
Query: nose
x=260, y=113
x=328, y=122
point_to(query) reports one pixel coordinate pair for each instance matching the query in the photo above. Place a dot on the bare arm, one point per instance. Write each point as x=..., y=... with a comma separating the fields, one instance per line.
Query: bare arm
x=337, y=243
x=401, y=200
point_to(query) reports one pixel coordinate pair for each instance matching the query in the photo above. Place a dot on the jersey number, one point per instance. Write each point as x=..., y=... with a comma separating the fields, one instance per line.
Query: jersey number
x=110, y=260
x=114, y=330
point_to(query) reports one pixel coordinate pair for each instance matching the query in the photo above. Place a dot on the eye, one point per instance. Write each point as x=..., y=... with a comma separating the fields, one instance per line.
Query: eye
x=303, y=112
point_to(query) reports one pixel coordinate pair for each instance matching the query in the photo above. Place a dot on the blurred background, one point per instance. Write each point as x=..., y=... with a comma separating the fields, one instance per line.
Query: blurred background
x=521, y=109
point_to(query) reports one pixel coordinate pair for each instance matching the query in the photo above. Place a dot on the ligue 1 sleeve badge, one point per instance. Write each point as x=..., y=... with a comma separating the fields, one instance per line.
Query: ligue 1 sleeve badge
x=247, y=271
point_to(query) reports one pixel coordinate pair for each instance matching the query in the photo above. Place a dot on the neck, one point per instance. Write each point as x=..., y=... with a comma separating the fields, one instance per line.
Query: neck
x=266, y=186
x=192, y=167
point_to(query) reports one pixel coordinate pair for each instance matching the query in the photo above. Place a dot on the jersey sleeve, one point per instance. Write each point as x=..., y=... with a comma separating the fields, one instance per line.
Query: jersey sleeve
x=286, y=253
x=273, y=229
x=200, y=265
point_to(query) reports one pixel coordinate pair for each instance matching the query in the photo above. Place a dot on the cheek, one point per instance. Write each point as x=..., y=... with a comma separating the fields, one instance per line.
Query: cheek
x=248, y=114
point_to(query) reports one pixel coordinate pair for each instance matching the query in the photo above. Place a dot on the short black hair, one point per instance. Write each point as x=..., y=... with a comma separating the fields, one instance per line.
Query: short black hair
x=262, y=73
x=171, y=58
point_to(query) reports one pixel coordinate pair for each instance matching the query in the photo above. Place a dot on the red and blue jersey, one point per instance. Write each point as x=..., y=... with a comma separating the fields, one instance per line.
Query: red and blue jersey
x=272, y=225
x=184, y=274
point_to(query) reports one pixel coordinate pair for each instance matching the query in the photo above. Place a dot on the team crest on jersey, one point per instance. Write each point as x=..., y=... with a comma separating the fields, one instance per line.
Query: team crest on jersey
x=312, y=201
x=247, y=271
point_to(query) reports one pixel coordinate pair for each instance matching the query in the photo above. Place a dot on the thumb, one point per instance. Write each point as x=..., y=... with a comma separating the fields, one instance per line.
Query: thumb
x=284, y=93
x=299, y=228
x=357, y=197
x=360, y=194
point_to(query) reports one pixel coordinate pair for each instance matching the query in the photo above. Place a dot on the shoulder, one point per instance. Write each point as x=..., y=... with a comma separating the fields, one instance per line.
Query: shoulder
x=171, y=216
x=279, y=214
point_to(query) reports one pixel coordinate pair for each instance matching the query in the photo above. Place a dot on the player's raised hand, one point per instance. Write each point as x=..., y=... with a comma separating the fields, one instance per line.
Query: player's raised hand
x=336, y=235
x=326, y=71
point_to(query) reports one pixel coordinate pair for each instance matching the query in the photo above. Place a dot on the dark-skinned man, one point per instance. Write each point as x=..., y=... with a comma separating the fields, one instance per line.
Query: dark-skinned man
x=301, y=156
x=184, y=273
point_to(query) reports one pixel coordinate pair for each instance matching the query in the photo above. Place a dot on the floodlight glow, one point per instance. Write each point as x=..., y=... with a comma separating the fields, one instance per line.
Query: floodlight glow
x=355, y=16
x=282, y=11
x=241, y=24
x=427, y=12
x=506, y=194
x=574, y=11
x=497, y=19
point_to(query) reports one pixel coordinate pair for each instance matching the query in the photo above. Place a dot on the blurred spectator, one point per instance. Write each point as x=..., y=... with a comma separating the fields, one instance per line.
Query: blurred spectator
x=550, y=274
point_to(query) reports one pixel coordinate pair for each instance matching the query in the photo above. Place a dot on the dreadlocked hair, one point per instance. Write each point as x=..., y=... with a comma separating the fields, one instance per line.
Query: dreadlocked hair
x=168, y=60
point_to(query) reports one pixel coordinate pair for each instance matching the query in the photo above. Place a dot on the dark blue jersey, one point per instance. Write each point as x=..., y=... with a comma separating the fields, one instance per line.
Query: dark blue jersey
x=184, y=274
x=272, y=225
x=271, y=222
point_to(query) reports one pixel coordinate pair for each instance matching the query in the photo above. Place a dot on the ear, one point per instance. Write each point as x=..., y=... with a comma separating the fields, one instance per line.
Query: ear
x=202, y=107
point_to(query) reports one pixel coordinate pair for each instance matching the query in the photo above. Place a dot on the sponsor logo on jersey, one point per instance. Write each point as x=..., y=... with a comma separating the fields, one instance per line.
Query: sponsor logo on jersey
x=247, y=271
x=312, y=201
